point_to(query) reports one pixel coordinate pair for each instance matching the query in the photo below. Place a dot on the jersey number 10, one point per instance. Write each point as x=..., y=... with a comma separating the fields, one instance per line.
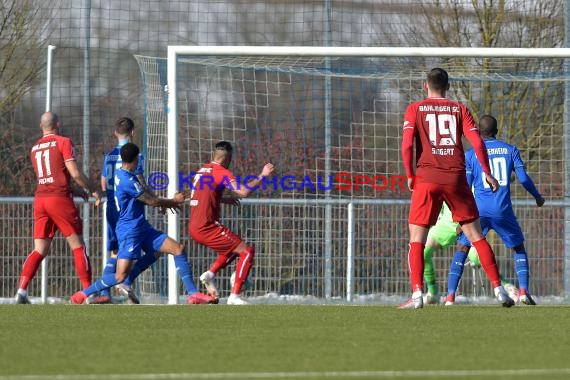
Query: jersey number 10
x=498, y=170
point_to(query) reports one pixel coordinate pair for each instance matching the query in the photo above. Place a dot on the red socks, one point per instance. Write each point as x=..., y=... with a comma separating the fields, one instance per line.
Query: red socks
x=222, y=261
x=416, y=265
x=82, y=266
x=29, y=269
x=242, y=268
x=487, y=258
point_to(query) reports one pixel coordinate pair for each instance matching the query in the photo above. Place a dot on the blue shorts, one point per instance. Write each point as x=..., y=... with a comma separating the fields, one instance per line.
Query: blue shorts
x=508, y=230
x=112, y=216
x=150, y=241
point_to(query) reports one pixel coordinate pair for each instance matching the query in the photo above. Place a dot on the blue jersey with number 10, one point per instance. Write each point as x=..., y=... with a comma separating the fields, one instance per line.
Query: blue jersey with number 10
x=504, y=159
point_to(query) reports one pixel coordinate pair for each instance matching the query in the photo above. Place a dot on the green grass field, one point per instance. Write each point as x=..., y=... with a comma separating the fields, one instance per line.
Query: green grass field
x=282, y=341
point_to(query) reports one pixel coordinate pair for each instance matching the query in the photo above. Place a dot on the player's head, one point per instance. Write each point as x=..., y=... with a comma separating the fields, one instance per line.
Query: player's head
x=488, y=126
x=124, y=127
x=437, y=80
x=49, y=122
x=223, y=153
x=130, y=154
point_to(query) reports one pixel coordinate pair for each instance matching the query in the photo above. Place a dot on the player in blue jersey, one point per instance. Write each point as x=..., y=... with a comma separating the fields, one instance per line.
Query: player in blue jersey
x=136, y=234
x=124, y=131
x=496, y=209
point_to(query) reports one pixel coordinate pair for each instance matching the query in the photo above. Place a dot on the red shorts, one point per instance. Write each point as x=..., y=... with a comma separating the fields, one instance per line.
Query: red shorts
x=53, y=213
x=427, y=199
x=216, y=236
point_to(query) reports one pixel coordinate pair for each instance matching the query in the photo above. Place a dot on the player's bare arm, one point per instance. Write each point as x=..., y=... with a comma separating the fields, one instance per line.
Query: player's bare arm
x=144, y=184
x=154, y=201
x=244, y=191
x=82, y=180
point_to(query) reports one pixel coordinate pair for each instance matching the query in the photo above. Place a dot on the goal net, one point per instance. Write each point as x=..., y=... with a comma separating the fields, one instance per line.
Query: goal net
x=330, y=121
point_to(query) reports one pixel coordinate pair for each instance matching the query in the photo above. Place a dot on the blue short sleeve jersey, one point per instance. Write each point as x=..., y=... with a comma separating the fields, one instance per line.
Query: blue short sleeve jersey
x=132, y=220
x=504, y=159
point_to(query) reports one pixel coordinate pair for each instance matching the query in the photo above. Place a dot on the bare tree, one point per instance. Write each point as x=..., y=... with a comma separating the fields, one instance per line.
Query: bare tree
x=526, y=95
x=22, y=37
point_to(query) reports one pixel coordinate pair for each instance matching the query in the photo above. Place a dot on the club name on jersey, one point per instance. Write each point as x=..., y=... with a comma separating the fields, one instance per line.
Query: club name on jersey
x=435, y=108
x=442, y=151
x=44, y=145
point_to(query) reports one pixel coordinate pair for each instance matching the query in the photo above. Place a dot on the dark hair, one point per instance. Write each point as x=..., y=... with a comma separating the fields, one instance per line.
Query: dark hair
x=488, y=126
x=124, y=126
x=225, y=146
x=437, y=79
x=129, y=152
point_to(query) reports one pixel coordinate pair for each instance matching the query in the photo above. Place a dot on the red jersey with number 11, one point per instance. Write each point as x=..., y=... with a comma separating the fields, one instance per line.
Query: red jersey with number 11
x=49, y=155
x=439, y=124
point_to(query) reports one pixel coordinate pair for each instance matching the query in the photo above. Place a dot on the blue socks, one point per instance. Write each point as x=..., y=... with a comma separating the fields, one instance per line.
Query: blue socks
x=184, y=270
x=140, y=266
x=521, y=267
x=110, y=268
x=105, y=282
x=456, y=271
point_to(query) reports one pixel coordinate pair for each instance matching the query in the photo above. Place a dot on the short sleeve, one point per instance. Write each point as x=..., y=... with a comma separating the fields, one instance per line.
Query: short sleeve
x=140, y=167
x=67, y=149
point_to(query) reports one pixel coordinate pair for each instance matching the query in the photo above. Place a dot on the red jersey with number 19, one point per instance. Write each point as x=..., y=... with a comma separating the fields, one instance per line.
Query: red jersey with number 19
x=439, y=124
x=49, y=155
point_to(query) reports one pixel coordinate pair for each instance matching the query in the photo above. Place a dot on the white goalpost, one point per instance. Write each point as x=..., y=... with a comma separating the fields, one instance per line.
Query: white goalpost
x=336, y=243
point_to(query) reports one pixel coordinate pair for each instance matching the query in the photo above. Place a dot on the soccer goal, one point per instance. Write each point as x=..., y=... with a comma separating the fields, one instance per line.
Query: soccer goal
x=332, y=224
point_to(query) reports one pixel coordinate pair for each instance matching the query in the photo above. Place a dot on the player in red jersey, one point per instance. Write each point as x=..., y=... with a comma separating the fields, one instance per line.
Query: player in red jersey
x=54, y=164
x=436, y=125
x=205, y=227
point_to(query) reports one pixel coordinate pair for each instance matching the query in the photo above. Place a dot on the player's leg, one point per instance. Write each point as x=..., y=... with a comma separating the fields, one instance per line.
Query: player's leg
x=429, y=269
x=456, y=268
x=106, y=281
x=207, y=278
x=243, y=267
x=129, y=251
x=221, y=239
x=112, y=248
x=142, y=264
x=162, y=243
x=425, y=206
x=511, y=233
x=488, y=262
x=465, y=212
x=66, y=217
x=30, y=268
x=441, y=235
x=81, y=259
x=44, y=231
